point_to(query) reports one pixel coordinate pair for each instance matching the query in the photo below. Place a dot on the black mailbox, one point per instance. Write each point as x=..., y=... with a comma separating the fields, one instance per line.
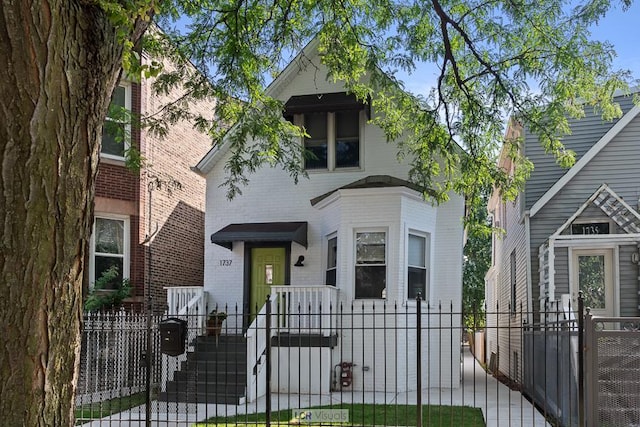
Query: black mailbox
x=173, y=336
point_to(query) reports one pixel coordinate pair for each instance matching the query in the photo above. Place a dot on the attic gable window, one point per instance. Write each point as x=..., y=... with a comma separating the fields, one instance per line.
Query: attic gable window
x=333, y=122
x=334, y=139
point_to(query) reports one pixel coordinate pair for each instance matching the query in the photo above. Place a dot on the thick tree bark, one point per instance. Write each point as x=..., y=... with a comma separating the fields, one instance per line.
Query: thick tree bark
x=60, y=63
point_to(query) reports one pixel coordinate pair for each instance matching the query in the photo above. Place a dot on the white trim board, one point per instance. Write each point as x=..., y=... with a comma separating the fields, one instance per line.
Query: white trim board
x=584, y=160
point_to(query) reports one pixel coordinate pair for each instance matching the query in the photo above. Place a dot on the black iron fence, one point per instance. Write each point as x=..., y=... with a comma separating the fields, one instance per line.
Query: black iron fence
x=367, y=363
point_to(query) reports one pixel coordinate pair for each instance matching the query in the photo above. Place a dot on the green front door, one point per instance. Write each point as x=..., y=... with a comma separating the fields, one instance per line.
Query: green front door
x=267, y=269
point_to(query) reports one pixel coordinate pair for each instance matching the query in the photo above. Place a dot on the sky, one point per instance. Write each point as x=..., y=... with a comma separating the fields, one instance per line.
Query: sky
x=621, y=29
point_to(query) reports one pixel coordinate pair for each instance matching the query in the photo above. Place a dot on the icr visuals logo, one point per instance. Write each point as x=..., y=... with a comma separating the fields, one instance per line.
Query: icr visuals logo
x=306, y=416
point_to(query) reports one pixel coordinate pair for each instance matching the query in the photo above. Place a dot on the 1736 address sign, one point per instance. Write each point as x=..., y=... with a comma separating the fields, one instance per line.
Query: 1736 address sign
x=590, y=228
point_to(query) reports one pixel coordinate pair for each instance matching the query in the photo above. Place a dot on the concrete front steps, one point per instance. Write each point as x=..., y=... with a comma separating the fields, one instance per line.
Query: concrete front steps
x=214, y=372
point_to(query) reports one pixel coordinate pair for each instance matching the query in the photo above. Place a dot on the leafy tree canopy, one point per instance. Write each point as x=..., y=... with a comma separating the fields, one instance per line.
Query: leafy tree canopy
x=532, y=60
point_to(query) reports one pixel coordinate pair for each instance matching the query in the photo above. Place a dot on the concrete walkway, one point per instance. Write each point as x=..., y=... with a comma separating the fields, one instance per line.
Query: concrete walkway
x=500, y=406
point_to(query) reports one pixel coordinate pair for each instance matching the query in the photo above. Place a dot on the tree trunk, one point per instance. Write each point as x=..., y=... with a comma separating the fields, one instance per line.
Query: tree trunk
x=60, y=63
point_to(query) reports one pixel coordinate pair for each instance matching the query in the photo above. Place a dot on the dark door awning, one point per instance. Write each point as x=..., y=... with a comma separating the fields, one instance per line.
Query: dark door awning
x=261, y=232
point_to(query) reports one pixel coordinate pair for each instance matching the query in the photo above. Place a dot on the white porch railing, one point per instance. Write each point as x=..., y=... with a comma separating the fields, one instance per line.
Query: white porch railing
x=299, y=310
x=305, y=309
x=188, y=303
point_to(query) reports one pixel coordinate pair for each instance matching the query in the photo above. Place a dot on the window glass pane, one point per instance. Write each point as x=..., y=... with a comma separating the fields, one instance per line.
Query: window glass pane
x=109, y=236
x=417, y=282
x=330, y=278
x=347, y=124
x=417, y=255
x=119, y=97
x=316, y=157
x=113, y=138
x=103, y=263
x=332, y=252
x=316, y=126
x=113, y=130
x=347, y=139
x=592, y=280
x=332, y=261
x=370, y=248
x=347, y=154
x=371, y=281
x=316, y=145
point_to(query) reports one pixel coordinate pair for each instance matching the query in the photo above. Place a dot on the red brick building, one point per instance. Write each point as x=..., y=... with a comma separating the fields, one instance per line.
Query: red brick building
x=163, y=202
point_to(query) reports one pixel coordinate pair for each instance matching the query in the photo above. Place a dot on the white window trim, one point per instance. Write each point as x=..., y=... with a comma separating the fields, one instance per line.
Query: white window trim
x=127, y=139
x=298, y=119
x=386, y=260
x=126, y=253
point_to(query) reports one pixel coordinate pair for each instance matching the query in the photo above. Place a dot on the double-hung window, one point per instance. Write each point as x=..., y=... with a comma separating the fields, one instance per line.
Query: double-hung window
x=371, y=265
x=418, y=272
x=116, y=130
x=110, y=247
x=333, y=141
x=332, y=261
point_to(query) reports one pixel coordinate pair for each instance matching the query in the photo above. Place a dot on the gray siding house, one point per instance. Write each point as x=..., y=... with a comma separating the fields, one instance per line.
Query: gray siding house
x=569, y=230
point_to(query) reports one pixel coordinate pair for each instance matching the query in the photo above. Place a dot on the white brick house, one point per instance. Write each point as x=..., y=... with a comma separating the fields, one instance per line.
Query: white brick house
x=355, y=232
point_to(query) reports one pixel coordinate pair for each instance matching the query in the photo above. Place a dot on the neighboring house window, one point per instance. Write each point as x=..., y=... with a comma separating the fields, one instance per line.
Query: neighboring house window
x=110, y=247
x=332, y=261
x=334, y=139
x=417, y=266
x=371, y=268
x=116, y=130
x=513, y=280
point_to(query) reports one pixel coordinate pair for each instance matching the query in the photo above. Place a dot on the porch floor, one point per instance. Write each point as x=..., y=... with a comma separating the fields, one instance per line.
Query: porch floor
x=500, y=405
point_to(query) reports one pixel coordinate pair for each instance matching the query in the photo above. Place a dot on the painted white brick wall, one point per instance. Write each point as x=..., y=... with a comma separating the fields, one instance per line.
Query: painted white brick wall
x=271, y=196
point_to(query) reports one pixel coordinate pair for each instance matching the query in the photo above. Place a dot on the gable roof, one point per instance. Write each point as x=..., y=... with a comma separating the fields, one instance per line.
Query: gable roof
x=584, y=160
x=613, y=206
x=210, y=159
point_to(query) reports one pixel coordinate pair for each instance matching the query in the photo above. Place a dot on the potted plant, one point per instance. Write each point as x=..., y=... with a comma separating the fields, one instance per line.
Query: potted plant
x=214, y=322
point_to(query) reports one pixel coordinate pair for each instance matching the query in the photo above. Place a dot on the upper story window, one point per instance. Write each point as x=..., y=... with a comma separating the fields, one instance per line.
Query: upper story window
x=110, y=247
x=116, y=130
x=334, y=139
x=417, y=266
x=334, y=123
x=332, y=261
x=371, y=264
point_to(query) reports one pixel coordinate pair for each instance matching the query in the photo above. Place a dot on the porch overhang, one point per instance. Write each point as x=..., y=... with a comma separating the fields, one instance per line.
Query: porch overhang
x=339, y=101
x=261, y=232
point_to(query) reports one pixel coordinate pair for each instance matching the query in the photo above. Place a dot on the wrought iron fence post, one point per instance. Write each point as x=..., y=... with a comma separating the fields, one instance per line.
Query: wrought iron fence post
x=268, y=360
x=581, y=406
x=419, y=358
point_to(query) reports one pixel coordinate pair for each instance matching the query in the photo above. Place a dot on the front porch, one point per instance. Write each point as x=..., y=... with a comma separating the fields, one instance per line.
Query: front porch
x=293, y=319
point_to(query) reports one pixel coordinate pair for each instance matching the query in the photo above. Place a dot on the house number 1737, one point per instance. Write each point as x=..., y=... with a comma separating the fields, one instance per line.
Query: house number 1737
x=225, y=262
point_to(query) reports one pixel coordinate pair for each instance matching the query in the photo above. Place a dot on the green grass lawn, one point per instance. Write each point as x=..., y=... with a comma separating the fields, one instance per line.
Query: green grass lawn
x=97, y=410
x=368, y=415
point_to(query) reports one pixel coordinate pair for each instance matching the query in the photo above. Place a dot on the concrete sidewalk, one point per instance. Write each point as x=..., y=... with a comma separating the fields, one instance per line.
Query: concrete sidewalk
x=500, y=406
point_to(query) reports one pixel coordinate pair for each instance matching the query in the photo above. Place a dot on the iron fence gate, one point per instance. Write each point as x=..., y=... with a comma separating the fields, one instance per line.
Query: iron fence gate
x=377, y=363
x=613, y=371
